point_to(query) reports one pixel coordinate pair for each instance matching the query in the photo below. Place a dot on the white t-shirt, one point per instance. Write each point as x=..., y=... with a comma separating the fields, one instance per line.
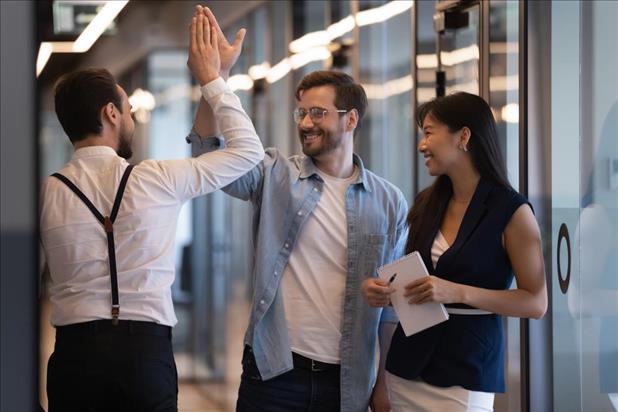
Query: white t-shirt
x=314, y=279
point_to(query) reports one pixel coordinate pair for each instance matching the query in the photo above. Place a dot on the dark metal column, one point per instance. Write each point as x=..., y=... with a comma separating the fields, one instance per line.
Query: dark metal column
x=535, y=182
x=19, y=280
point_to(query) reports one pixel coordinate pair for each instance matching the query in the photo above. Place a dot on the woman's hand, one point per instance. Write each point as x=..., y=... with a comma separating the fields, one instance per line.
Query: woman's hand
x=377, y=292
x=433, y=289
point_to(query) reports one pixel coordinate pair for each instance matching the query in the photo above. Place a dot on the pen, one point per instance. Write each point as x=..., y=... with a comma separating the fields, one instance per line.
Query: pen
x=392, y=278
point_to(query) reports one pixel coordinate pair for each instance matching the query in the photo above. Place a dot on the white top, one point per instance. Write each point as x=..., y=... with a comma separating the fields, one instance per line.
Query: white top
x=313, y=283
x=439, y=246
x=75, y=243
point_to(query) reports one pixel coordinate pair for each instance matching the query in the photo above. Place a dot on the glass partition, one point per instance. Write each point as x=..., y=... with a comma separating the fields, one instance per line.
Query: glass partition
x=426, y=65
x=504, y=102
x=385, y=141
x=585, y=205
x=460, y=52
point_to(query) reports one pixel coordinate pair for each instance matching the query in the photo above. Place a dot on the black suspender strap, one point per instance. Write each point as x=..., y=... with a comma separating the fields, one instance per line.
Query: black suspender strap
x=108, y=225
x=109, y=229
x=82, y=196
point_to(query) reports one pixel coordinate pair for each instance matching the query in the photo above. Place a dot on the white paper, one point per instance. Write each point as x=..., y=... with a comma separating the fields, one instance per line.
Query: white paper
x=413, y=317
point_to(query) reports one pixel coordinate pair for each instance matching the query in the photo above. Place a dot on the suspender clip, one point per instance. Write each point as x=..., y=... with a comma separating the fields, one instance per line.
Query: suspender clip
x=109, y=226
x=115, y=313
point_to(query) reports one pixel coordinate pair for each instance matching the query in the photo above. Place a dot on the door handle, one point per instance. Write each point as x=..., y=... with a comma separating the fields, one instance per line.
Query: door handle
x=563, y=234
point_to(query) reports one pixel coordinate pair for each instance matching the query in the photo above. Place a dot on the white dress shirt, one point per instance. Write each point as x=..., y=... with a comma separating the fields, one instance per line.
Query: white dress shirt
x=75, y=243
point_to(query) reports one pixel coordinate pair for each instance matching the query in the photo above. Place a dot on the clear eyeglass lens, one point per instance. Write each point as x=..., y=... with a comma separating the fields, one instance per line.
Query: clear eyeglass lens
x=315, y=113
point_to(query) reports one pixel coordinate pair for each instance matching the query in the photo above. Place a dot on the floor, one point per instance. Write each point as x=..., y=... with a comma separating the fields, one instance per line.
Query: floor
x=203, y=398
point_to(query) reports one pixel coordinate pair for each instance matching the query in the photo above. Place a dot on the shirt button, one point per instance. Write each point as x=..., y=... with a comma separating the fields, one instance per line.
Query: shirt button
x=315, y=189
x=276, y=273
x=287, y=245
x=300, y=213
x=262, y=302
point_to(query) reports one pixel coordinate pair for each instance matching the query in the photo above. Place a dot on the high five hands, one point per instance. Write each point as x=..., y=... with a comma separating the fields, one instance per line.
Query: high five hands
x=228, y=53
x=204, y=58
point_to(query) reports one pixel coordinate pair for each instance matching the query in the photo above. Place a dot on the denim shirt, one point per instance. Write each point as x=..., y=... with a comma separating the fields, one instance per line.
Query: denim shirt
x=284, y=192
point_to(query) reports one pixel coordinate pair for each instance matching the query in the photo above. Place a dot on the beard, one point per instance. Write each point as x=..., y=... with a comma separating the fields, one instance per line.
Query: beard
x=326, y=142
x=124, y=143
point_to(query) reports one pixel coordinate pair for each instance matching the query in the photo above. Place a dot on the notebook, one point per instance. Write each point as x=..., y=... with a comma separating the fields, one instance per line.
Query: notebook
x=414, y=318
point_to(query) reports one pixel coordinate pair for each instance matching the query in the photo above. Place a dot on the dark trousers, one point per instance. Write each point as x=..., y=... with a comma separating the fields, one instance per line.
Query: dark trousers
x=97, y=366
x=301, y=389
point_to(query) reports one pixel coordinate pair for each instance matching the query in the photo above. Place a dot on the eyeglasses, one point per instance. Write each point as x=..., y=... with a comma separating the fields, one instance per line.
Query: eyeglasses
x=316, y=114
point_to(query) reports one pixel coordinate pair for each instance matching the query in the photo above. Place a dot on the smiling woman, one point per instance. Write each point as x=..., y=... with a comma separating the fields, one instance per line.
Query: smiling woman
x=474, y=231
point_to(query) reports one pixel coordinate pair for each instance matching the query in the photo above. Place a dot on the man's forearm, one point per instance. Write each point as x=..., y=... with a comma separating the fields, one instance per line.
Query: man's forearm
x=205, y=123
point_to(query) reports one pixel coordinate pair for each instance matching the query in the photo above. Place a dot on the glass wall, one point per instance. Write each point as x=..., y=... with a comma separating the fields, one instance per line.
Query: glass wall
x=426, y=65
x=504, y=102
x=460, y=52
x=160, y=137
x=584, y=201
x=385, y=141
x=598, y=221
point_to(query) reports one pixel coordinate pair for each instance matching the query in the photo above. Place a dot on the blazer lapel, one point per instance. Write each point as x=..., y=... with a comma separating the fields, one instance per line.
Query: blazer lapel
x=475, y=212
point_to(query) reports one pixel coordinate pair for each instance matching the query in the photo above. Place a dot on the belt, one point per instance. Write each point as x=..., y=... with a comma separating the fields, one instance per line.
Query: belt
x=302, y=362
x=124, y=327
x=466, y=311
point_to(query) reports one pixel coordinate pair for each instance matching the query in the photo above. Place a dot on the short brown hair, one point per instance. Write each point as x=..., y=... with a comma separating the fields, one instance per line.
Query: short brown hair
x=348, y=94
x=79, y=98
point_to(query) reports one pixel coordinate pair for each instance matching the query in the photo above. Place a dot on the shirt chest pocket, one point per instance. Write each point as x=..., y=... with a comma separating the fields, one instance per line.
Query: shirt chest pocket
x=375, y=251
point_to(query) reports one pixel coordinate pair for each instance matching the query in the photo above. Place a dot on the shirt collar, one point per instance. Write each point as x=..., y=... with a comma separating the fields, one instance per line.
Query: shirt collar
x=308, y=169
x=90, y=151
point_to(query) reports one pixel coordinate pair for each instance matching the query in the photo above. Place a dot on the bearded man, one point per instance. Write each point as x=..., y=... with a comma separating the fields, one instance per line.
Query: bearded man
x=108, y=229
x=322, y=224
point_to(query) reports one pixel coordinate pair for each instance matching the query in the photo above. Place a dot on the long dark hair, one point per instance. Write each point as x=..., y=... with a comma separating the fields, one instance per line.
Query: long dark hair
x=456, y=111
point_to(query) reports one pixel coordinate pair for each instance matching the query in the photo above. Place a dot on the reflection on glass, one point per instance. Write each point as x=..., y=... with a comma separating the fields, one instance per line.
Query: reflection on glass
x=504, y=96
x=565, y=198
x=281, y=93
x=426, y=66
x=309, y=16
x=385, y=141
x=460, y=55
x=504, y=80
x=597, y=229
x=342, y=60
x=597, y=300
x=169, y=81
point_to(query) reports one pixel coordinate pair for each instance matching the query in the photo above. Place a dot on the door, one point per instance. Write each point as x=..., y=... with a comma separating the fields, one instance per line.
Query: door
x=584, y=198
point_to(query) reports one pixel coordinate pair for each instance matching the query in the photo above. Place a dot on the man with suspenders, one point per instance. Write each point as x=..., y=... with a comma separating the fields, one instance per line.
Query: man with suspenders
x=108, y=228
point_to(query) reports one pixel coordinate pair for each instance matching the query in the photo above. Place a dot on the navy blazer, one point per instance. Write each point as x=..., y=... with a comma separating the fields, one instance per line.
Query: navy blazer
x=466, y=350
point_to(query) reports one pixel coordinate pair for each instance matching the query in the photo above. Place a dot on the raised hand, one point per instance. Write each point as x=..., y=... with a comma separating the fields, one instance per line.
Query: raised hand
x=229, y=52
x=204, y=59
